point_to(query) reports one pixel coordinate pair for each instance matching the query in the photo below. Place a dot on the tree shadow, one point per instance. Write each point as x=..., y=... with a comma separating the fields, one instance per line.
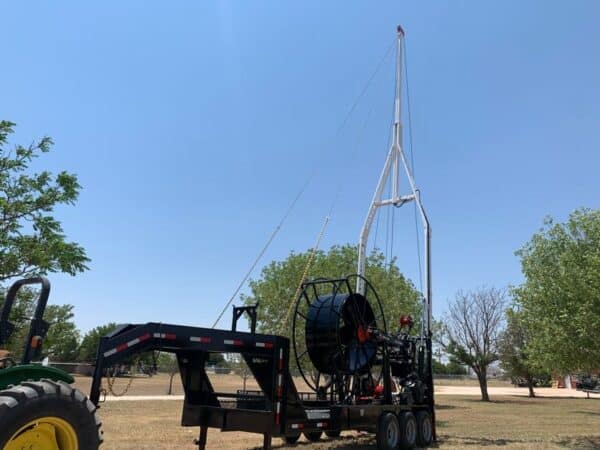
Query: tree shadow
x=366, y=442
x=587, y=413
x=444, y=407
x=468, y=441
x=581, y=443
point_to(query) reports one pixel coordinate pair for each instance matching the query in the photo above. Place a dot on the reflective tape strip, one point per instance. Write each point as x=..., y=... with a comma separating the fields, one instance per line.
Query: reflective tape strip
x=280, y=359
x=279, y=385
x=277, y=413
x=201, y=339
x=122, y=347
x=264, y=344
x=126, y=345
x=297, y=426
x=235, y=342
x=321, y=425
x=168, y=336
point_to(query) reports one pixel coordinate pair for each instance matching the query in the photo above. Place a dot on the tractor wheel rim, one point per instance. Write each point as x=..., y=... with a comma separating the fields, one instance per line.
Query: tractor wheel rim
x=44, y=433
x=392, y=434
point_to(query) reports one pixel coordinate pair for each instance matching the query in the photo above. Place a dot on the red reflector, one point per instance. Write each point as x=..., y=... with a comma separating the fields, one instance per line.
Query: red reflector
x=36, y=341
x=406, y=320
x=170, y=336
x=145, y=337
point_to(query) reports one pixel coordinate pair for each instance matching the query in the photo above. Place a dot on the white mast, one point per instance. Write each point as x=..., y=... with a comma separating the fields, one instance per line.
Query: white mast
x=391, y=174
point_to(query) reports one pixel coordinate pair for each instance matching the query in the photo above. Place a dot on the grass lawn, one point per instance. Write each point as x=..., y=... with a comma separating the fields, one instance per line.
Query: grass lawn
x=463, y=422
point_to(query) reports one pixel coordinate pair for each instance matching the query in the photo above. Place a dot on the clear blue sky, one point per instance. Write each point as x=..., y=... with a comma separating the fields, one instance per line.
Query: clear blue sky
x=192, y=125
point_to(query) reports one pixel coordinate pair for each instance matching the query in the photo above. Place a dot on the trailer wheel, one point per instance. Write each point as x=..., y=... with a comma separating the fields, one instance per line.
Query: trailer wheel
x=424, y=429
x=333, y=433
x=388, y=432
x=408, y=427
x=313, y=436
x=47, y=414
x=292, y=438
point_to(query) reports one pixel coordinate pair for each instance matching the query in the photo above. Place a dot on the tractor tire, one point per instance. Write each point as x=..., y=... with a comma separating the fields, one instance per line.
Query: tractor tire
x=313, y=436
x=48, y=414
x=424, y=429
x=388, y=432
x=292, y=438
x=333, y=434
x=408, y=430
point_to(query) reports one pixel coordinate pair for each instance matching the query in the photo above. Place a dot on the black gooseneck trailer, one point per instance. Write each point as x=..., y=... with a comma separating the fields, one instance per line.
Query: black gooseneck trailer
x=400, y=411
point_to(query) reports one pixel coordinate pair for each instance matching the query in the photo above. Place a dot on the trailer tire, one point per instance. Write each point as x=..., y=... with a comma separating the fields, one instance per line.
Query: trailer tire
x=333, y=434
x=424, y=429
x=408, y=428
x=388, y=432
x=292, y=438
x=41, y=411
x=313, y=436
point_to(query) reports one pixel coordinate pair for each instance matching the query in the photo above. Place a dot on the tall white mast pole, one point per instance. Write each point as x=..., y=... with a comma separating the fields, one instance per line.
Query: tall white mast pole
x=391, y=174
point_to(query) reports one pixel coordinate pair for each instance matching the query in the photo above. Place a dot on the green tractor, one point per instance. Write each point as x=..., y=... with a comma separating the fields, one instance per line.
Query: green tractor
x=39, y=409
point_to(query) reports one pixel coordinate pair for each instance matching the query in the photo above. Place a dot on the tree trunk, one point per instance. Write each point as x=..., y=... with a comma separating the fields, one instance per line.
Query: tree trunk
x=482, y=377
x=530, y=386
x=171, y=383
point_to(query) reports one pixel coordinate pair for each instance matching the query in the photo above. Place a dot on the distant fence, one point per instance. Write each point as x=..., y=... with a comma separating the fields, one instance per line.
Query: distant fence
x=74, y=368
x=464, y=377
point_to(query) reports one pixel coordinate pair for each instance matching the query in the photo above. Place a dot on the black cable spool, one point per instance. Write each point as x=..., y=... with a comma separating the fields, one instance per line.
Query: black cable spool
x=336, y=333
x=331, y=337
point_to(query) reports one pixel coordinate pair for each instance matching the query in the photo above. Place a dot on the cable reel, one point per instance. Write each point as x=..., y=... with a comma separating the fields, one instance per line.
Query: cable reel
x=331, y=334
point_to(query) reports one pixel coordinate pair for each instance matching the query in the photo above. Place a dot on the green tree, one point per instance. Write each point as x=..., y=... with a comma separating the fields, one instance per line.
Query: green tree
x=514, y=352
x=89, y=343
x=560, y=298
x=63, y=337
x=450, y=368
x=279, y=280
x=472, y=329
x=32, y=241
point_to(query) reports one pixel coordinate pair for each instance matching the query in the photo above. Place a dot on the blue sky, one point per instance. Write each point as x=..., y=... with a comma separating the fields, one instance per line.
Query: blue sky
x=192, y=125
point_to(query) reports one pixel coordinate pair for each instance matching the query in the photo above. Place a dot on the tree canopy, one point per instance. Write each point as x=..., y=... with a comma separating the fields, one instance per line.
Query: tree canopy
x=32, y=240
x=279, y=280
x=560, y=298
x=90, y=341
x=514, y=351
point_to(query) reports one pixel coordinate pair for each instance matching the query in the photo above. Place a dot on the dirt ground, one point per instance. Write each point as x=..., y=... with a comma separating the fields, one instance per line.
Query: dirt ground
x=463, y=422
x=510, y=421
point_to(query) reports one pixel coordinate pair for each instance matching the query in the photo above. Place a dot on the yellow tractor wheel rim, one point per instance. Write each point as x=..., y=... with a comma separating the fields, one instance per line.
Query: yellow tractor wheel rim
x=45, y=433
